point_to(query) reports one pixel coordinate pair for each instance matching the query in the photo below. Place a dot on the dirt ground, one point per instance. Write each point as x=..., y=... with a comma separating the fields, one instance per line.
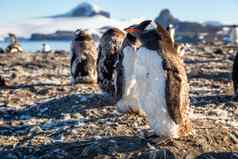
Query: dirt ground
x=43, y=116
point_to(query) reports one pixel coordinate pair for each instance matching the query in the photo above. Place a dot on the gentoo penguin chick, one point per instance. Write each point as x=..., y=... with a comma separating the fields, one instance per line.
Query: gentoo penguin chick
x=161, y=82
x=109, y=49
x=127, y=93
x=83, y=58
x=235, y=75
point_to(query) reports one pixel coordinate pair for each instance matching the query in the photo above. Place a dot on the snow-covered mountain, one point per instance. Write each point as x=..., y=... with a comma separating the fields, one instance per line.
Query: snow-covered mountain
x=84, y=16
x=85, y=10
x=166, y=17
x=213, y=23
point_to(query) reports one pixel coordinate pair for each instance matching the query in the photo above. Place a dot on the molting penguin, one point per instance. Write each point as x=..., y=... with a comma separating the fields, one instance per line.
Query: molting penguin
x=126, y=92
x=161, y=82
x=109, y=49
x=179, y=47
x=83, y=58
x=235, y=75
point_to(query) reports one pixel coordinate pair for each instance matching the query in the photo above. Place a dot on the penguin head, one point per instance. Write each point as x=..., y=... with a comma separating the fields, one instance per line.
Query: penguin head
x=137, y=29
x=81, y=35
x=146, y=33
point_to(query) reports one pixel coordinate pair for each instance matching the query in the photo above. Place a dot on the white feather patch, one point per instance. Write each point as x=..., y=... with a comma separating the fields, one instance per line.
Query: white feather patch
x=129, y=101
x=151, y=82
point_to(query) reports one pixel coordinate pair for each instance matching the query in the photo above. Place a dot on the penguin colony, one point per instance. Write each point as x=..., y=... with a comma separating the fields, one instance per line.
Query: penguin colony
x=141, y=69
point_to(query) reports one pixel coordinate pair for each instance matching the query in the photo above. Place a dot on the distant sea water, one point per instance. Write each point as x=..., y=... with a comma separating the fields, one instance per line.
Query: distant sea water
x=33, y=46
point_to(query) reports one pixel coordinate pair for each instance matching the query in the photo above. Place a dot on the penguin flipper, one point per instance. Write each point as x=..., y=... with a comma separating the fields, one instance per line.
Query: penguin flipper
x=173, y=88
x=72, y=59
x=99, y=72
x=235, y=73
x=176, y=90
x=118, y=75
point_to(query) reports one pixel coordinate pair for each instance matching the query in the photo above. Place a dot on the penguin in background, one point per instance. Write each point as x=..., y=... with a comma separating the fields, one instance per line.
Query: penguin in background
x=235, y=75
x=126, y=92
x=14, y=46
x=161, y=82
x=108, y=52
x=83, y=58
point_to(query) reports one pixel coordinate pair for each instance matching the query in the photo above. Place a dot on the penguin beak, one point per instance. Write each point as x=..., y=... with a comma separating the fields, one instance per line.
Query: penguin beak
x=132, y=30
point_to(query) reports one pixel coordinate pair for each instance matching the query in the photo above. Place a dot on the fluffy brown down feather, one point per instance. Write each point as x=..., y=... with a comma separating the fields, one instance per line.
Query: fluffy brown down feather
x=86, y=71
x=177, y=88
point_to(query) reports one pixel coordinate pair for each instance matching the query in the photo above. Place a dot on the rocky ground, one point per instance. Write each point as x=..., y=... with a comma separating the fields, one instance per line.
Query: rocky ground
x=42, y=116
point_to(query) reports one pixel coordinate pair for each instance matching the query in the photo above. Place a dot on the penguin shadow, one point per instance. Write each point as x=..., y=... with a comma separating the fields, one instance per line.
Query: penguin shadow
x=219, y=155
x=212, y=99
x=55, y=110
x=28, y=65
x=31, y=86
x=197, y=61
x=216, y=76
x=85, y=149
x=106, y=146
x=76, y=103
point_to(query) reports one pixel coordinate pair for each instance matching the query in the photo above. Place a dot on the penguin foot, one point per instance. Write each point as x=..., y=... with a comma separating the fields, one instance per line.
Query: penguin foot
x=72, y=81
x=122, y=107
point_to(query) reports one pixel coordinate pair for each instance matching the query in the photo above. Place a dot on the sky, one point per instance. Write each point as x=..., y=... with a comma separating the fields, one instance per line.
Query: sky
x=225, y=11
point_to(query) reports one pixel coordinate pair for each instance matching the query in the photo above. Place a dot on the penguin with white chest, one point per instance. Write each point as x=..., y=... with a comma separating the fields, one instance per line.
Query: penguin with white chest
x=83, y=58
x=161, y=82
x=108, y=52
x=126, y=82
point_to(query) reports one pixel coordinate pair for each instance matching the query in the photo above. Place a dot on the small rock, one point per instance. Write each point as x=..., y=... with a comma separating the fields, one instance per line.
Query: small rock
x=25, y=117
x=76, y=116
x=83, y=99
x=233, y=138
x=67, y=116
x=43, y=110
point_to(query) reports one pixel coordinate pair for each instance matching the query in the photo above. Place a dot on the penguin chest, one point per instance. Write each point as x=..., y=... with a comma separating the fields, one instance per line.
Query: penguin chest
x=129, y=101
x=151, y=85
x=150, y=76
x=129, y=62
